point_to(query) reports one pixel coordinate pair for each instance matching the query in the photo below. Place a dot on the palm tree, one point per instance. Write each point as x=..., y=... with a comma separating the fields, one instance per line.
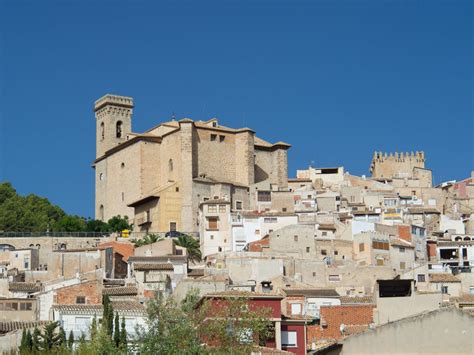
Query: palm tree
x=191, y=245
x=148, y=239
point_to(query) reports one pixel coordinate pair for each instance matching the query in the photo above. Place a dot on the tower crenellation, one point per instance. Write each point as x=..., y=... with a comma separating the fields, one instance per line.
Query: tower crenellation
x=396, y=164
x=113, y=115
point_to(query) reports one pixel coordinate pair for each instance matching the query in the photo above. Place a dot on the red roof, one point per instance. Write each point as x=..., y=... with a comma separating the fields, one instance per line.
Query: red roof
x=124, y=249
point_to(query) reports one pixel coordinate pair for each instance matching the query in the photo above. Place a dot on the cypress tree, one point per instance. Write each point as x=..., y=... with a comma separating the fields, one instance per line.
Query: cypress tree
x=117, y=330
x=123, y=336
x=23, y=345
x=108, y=315
x=94, y=328
x=70, y=341
x=62, y=338
x=36, y=340
x=29, y=341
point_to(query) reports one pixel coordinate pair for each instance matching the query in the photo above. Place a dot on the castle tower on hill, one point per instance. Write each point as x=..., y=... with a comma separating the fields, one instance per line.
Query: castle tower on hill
x=396, y=165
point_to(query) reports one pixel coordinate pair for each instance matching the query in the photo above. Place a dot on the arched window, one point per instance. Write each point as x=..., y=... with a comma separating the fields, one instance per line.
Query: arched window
x=101, y=212
x=170, y=165
x=102, y=131
x=118, y=129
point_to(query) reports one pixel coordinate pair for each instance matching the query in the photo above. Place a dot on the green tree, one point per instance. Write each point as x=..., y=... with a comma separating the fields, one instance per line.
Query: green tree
x=62, y=337
x=70, y=341
x=70, y=224
x=51, y=338
x=94, y=225
x=192, y=246
x=29, y=341
x=123, y=336
x=118, y=224
x=36, y=341
x=23, y=346
x=108, y=315
x=148, y=239
x=93, y=328
x=117, y=330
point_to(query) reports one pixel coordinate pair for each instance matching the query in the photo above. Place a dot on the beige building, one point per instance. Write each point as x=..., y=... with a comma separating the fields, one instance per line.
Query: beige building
x=399, y=165
x=158, y=178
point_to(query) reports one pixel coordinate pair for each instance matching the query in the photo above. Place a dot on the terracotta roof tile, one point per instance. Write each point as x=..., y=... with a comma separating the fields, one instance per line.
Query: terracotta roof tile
x=119, y=306
x=152, y=266
x=443, y=278
x=120, y=291
x=224, y=294
x=10, y=326
x=357, y=299
x=24, y=287
x=311, y=292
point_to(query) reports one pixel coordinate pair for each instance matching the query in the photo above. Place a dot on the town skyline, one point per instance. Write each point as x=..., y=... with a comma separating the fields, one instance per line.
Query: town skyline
x=335, y=82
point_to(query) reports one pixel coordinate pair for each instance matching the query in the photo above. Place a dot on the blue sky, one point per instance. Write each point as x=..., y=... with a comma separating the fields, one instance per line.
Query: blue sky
x=336, y=79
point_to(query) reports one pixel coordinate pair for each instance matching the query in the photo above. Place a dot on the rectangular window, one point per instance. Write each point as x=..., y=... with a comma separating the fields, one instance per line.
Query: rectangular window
x=257, y=231
x=26, y=306
x=380, y=262
x=173, y=226
x=296, y=308
x=270, y=220
x=213, y=137
x=402, y=265
x=222, y=208
x=421, y=278
x=295, y=238
x=238, y=205
x=334, y=278
x=288, y=339
x=444, y=290
x=324, y=252
x=212, y=209
x=324, y=234
x=283, y=209
x=221, y=138
x=80, y=300
x=361, y=246
x=212, y=223
x=307, y=249
x=264, y=196
x=402, y=249
x=471, y=290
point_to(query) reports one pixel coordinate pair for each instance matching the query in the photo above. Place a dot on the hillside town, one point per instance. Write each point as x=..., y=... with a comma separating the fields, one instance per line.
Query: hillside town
x=344, y=263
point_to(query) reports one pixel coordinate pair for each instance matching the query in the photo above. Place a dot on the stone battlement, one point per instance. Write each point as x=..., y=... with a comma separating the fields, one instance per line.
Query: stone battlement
x=115, y=100
x=388, y=165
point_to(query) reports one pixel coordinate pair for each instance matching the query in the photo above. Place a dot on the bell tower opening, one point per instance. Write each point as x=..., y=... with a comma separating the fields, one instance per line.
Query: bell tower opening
x=113, y=115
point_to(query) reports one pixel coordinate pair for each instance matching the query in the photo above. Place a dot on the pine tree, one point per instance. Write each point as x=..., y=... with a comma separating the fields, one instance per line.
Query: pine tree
x=123, y=336
x=70, y=341
x=117, y=330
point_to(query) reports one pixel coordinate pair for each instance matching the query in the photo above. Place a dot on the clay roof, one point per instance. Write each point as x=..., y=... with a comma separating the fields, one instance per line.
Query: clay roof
x=327, y=226
x=120, y=291
x=267, y=214
x=357, y=299
x=422, y=210
x=156, y=259
x=120, y=306
x=467, y=298
x=397, y=242
x=244, y=294
x=355, y=329
x=443, y=278
x=215, y=202
x=196, y=272
x=10, y=326
x=28, y=287
x=312, y=292
x=152, y=266
x=124, y=249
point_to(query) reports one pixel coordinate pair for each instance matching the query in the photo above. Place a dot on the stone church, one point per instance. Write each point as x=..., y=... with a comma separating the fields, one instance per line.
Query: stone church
x=160, y=177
